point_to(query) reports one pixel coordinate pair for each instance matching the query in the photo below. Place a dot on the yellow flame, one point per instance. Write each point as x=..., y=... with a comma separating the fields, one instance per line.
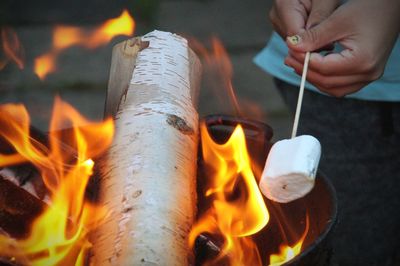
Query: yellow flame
x=67, y=36
x=59, y=236
x=238, y=209
x=289, y=252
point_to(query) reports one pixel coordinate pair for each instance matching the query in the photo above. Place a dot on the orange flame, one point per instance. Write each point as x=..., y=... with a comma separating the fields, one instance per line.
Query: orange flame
x=67, y=36
x=218, y=75
x=289, y=252
x=59, y=236
x=218, y=62
x=12, y=48
x=238, y=209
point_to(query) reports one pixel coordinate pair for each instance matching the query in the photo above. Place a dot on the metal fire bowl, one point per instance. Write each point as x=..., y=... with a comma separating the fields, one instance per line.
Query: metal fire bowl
x=320, y=204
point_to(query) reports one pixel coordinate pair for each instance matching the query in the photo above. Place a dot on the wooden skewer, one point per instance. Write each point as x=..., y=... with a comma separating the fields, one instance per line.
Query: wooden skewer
x=300, y=97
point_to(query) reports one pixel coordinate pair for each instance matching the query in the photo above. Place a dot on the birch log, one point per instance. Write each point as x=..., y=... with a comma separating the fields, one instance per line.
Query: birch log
x=149, y=174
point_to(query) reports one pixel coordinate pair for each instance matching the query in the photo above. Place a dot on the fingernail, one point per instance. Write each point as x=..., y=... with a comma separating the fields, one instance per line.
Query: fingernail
x=294, y=40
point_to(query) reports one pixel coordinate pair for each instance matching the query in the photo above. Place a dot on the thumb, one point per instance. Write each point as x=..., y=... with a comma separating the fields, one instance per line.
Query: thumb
x=317, y=37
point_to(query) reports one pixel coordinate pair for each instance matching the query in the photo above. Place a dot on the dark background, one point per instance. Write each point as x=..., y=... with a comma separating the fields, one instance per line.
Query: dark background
x=82, y=74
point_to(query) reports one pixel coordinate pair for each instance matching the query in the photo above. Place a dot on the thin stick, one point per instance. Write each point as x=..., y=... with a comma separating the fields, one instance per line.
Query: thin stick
x=300, y=98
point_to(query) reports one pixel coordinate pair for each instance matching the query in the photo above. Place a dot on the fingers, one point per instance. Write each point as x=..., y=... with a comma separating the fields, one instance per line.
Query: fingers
x=320, y=10
x=328, y=30
x=314, y=38
x=344, y=90
x=335, y=84
x=322, y=80
x=275, y=21
x=289, y=16
x=344, y=63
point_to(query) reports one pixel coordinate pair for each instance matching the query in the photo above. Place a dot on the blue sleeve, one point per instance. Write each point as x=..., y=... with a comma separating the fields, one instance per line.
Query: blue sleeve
x=387, y=88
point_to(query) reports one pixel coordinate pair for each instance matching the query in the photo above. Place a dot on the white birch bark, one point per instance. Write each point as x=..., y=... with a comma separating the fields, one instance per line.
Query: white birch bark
x=149, y=174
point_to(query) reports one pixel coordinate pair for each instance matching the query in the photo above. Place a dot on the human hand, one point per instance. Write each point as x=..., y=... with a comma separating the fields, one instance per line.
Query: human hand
x=289, y=17
x=366, y=29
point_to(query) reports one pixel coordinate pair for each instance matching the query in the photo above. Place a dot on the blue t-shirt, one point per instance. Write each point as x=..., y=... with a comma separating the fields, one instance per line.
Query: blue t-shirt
x=387, y=88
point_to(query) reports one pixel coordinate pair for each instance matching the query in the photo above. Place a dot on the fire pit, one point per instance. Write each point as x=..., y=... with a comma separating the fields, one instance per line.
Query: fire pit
x=287, y=222
x=145, y=212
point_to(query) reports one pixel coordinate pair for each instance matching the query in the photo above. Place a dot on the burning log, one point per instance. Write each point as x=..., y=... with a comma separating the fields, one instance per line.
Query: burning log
x=22, y=194
x=149, y=174
x=206, y=248
x=18, y=208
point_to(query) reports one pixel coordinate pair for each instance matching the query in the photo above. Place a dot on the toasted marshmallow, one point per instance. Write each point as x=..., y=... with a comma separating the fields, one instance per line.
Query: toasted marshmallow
x=290, y=169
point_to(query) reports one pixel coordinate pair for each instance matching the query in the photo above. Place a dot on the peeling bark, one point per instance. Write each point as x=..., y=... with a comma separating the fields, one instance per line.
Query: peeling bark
x=180, y=124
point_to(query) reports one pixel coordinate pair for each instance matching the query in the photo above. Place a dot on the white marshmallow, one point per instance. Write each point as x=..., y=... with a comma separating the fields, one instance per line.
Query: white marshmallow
x=290, y=169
